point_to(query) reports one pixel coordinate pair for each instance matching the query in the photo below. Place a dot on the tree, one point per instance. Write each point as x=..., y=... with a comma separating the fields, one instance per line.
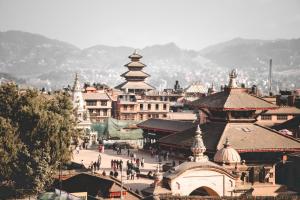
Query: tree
x=36, y=129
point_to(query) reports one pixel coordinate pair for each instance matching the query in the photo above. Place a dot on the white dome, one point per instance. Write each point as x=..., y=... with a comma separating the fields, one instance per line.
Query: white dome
x=227, y=155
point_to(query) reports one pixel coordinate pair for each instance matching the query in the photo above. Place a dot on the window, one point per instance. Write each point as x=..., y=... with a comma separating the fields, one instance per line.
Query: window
x=131, y=108
x=164, y=115
x=141, y=107
x=125, y=107
x=104, y=112
x=165, y=107
x=156, y=106
x=91, y=103
x=149, y=116
x=103, y=103
x=141, y=116
x=149, y=106
x=282, y=117
x=266, y=117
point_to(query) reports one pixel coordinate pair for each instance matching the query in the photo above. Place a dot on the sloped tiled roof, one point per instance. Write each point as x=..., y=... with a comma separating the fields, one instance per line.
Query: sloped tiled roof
x=135, y=64
x=135, y=74
x=95, y=96
x=244, y=137
x=135, y=85
x=196, y=87
x=135, y=55
x=234, y=99
x=166, y=125
x=211, y=132
x=284, y=110
x=247, y=137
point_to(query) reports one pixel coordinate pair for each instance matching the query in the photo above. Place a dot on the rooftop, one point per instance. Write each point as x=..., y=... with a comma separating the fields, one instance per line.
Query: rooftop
x=284, y=110
x=233, y=99
x=135, y=85
x=244, y=137
x=135, y=64
x=95, y=96
x=166, y=125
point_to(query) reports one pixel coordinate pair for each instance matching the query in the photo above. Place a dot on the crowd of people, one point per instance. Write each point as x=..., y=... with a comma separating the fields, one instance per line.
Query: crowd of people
x=95, y=166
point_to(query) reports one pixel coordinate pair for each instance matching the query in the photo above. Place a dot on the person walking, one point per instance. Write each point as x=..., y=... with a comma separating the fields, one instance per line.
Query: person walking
x=142, y=162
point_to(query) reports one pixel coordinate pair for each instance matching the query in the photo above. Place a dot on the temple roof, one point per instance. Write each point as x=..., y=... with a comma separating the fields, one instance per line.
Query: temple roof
x=135, y=55
x=135, y=85
x=233, y=99
x=166, y=125
x=180, y=169
x=95, y=96
x=244, y=137
x=284, y=110
x=135, y=64
x=196, y=87
x=135, y=74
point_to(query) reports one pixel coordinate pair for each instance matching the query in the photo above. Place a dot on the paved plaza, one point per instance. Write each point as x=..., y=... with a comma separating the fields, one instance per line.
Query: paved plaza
x=91, y=155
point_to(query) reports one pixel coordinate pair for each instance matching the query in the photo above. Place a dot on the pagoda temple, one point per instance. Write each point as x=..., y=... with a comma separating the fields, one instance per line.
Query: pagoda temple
x=135, y=77
x=232, y=115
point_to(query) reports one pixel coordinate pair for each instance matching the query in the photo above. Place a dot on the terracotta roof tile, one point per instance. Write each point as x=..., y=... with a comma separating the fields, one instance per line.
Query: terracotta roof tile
x=236, y=99
x=244, y=137
x=95, y=96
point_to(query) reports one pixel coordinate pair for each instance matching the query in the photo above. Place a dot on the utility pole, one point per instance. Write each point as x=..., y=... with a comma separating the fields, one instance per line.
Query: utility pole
x=270, y=77
x=60, y=172
x=121, y=195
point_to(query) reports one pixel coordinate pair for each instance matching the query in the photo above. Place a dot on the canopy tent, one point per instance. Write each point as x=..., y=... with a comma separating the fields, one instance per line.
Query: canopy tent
x=118, y=129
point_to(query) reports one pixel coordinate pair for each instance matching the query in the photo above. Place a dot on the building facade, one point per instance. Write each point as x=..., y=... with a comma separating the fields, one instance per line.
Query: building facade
x=132, y=107
x=99, y=105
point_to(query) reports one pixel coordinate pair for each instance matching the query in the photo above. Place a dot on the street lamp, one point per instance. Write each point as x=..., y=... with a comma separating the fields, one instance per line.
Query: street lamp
x=121, y=195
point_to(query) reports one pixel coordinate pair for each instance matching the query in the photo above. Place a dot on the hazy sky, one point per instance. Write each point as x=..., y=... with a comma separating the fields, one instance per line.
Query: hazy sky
x=191, y=24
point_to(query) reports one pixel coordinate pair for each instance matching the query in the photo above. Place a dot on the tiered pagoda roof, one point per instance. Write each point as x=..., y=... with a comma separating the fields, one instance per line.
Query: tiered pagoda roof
x=233, y=98
x=232, y=115
x=135, y=77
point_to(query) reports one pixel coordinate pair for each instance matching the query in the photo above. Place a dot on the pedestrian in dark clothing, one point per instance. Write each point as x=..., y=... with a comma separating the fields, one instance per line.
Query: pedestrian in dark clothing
x=104, y=173
x=98, y=165
x=112, y=164
x=173, y=163
x=121, y=164
x=128, y=152
x=95, y=166
x=111, y=173
x=116, y=174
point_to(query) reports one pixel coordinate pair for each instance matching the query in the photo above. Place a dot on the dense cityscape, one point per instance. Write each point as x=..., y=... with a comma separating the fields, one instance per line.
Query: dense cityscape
x=151, y=100
x=132, y=141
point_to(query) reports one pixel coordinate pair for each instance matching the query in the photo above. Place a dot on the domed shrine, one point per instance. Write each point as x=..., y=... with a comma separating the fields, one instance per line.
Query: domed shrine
x=227, y=155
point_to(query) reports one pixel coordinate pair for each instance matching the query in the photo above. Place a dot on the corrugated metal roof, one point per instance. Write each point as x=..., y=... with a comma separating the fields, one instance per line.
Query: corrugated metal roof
x=166, y=125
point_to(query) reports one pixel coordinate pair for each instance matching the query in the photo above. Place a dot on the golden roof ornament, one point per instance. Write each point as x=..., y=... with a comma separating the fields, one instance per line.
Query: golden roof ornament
x=232, y=79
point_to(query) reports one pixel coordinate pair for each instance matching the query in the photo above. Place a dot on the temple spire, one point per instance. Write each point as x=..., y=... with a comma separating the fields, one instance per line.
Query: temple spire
x=198, y=148
x=226, y=144
x=76, y=86
x=232, y=79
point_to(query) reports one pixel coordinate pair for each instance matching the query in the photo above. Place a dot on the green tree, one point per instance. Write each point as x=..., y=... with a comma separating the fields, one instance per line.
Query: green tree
x=36, y=130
